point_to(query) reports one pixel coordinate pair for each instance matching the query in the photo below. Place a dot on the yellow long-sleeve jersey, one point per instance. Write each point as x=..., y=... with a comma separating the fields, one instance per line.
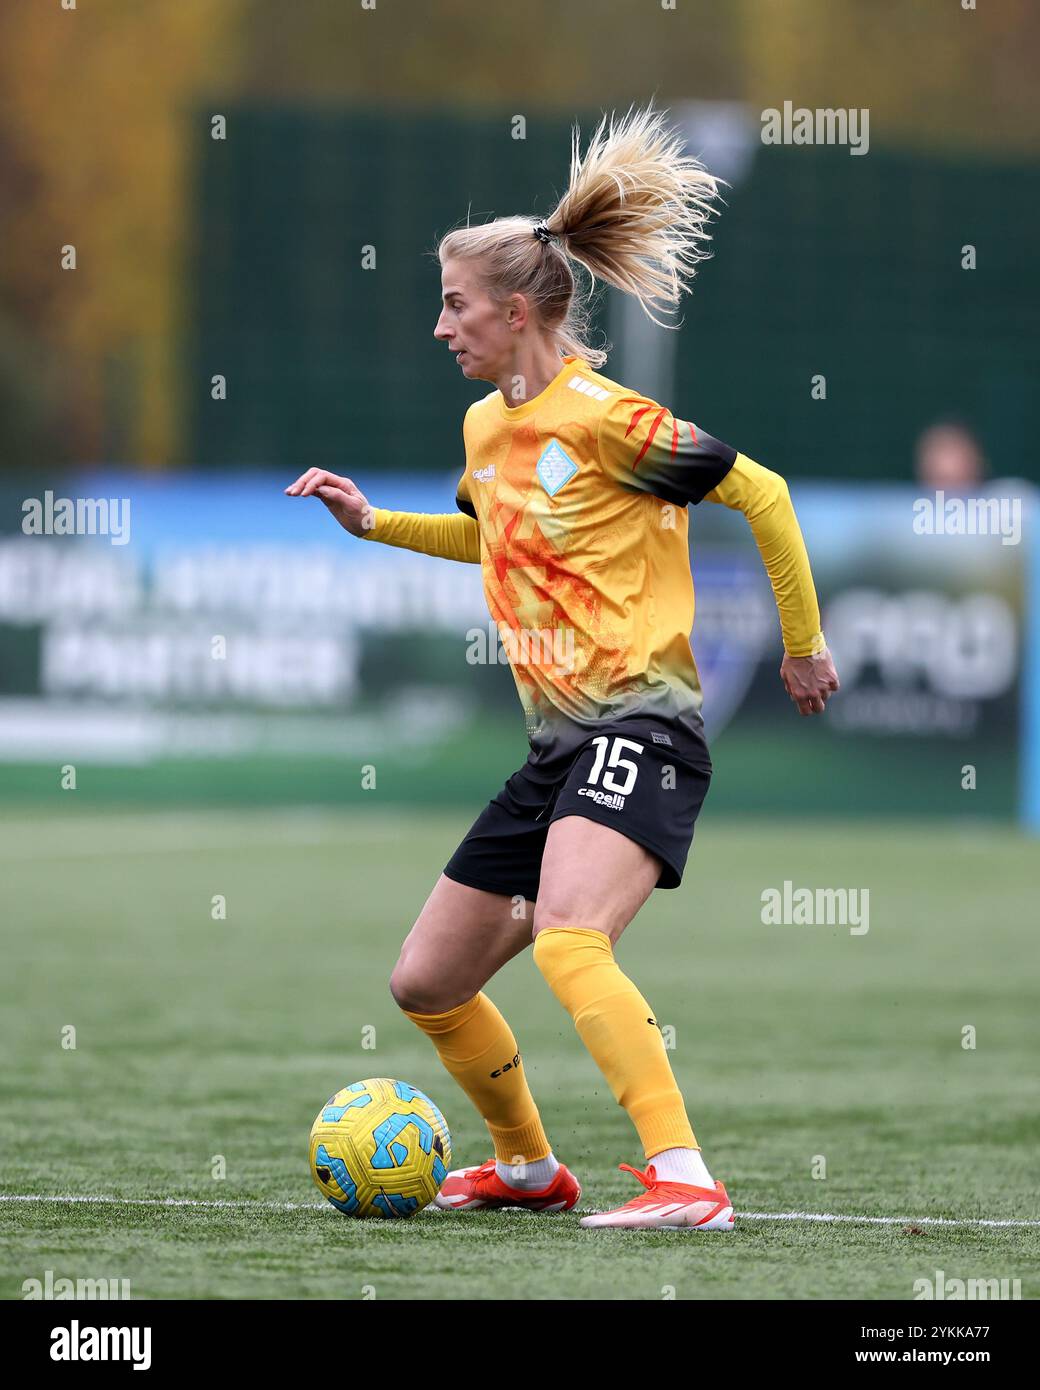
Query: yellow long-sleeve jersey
x=574, y=504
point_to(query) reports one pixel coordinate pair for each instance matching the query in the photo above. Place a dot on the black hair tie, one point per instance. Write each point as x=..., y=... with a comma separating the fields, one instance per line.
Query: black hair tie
x=543, y=233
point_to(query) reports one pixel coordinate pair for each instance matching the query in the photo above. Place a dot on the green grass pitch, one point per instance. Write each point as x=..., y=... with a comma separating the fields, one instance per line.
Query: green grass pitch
x=197, y=1038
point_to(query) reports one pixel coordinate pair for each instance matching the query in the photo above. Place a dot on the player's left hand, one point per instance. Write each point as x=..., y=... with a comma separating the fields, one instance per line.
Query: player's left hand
x=809, y=680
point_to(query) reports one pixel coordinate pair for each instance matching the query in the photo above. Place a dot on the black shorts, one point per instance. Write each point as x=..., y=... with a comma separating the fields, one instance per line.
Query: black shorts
x=623, y=776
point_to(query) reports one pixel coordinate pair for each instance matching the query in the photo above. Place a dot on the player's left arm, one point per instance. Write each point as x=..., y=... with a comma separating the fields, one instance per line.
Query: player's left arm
x=807, y=669
x=647, y=449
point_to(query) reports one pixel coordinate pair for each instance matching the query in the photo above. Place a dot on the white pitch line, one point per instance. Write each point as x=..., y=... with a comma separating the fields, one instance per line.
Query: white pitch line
x=325, y=1206
x=162, y=1202
x=880, y=1220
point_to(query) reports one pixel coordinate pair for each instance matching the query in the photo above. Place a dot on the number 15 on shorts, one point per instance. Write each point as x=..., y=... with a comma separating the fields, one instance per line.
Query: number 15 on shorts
x=614, y=762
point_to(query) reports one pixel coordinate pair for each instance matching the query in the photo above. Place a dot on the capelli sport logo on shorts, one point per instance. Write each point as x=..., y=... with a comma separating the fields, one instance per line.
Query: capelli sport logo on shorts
x=611, y=800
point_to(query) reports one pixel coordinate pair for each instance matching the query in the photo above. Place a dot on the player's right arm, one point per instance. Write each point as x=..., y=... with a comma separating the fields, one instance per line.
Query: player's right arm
x=451, y=537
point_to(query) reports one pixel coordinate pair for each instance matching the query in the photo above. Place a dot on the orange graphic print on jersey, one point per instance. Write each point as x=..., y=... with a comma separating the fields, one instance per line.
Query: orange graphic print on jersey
x=580, y=495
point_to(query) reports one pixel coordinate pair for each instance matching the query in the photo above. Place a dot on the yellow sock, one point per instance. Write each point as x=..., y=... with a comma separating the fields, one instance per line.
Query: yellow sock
x=477, y=1046
x=617, y=1026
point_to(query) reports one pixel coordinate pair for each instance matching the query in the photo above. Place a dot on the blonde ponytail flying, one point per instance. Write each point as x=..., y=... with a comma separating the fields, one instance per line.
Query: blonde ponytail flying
x=634, y=215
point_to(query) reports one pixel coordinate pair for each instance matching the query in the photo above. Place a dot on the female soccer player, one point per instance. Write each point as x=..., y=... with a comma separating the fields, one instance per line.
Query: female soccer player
x=574, y=502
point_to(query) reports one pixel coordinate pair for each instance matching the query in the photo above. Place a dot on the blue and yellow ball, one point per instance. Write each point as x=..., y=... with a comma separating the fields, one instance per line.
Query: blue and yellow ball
x=380, y=1148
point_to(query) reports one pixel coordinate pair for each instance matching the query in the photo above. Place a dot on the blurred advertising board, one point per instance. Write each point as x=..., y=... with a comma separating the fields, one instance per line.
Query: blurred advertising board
x=203, y=638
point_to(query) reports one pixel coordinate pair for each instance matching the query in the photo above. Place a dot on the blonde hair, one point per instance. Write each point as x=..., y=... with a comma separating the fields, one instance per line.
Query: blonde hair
x=634, y=215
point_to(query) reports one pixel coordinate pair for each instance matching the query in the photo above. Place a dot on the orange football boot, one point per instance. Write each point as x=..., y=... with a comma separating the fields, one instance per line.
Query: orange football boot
x=668, y=1206
x=472, y=1189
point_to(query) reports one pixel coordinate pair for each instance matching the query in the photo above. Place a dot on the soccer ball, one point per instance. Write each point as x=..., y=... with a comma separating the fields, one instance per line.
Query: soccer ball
x=380, y=1148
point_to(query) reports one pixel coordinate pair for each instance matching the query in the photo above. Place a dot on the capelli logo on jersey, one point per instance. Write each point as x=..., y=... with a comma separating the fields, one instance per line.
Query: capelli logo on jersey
x=611, y=800
x=484, y=475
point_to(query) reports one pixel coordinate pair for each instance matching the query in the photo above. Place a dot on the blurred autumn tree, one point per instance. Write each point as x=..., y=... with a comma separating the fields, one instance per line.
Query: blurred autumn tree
x=98, y=105
x=93, y=103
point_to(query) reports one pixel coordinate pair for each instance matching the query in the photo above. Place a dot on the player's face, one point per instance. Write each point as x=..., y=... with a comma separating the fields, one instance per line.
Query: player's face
x=472, y=324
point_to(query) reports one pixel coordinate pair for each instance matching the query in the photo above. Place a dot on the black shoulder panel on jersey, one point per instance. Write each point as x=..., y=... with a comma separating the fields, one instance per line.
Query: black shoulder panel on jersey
x=713, y=470
x=687, y=477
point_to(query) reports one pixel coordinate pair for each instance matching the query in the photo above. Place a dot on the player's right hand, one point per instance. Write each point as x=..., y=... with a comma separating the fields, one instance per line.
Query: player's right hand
x=347, y=503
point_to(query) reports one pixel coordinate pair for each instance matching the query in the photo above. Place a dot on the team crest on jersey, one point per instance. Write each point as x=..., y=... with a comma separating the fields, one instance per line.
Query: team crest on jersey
x=555, y=468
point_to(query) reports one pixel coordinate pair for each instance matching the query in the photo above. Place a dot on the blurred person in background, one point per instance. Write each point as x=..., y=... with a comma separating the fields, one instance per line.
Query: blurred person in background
x=948, y=458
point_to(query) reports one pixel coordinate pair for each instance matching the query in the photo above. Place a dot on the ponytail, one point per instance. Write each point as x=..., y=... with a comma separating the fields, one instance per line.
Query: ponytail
x=634, y=215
